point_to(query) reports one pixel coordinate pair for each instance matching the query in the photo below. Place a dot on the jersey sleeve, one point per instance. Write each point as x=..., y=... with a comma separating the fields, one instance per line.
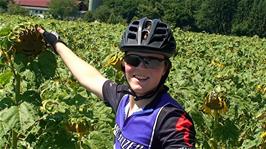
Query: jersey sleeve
x=112, y=93
x=175, y=129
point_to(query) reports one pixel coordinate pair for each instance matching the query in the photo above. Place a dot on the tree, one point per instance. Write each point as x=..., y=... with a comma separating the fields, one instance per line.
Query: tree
x=149, y=8
x=102, y=13
x=262, y=24
x=88, y=16
x=180, y=13
x=250, y=18
x=16, y=9
x=241, y=24
x=258, y=18
x=62, y=9
x=216, y=16
x=3, y=5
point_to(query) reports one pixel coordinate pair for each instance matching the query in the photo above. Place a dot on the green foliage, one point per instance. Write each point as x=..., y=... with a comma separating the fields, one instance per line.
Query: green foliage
x=56, y=109
x=103, y=13
x=15, y=9
x=179, y=13
x=241, y=25
x=250, y=18
x=257, y=18
x=3, y=5
x=150, y=9
x=88, y=16
x=238, y=17
x=63, y=9
x=237, y=70
x=216, y=16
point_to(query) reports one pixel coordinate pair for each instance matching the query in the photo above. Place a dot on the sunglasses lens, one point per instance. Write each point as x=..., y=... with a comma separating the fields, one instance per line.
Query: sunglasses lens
x=149, y=62
x=152, y=63
x=132, y=60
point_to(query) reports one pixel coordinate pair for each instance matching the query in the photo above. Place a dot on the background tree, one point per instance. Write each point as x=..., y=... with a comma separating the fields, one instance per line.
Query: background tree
x=16, y=9
x=103, y=13
x=125, y=8
x=241, y=24
x=116, y=11
x=250, y=18
x=88, y=16
x=216, y=16
x=3, y=5
x=180, y=13
x=62, y=9
x=150, y=8
x=239, y=17
x=258, y=18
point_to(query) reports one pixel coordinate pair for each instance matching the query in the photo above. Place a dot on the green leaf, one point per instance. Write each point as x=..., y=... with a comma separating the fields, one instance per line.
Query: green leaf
x=5, y=77
x=20, y=62
x=4, y=30
x=5, y=102
x=28, y=115
x=47, y=64
x=4, y=42
x=2, y=128
x=2, y=133
x=9, y=118
x=21, y=117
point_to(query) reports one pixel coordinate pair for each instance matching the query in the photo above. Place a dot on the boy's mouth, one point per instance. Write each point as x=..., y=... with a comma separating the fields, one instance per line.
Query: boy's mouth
x=141, y=77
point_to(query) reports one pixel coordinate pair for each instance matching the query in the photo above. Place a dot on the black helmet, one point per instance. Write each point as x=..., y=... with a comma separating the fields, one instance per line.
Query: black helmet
x=152, y=36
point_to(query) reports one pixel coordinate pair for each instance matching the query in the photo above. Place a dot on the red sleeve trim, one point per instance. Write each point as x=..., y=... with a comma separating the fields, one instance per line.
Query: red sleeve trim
x=183, y=125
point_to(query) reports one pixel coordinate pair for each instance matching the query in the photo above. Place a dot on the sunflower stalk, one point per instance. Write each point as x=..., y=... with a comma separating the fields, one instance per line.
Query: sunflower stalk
x=16, y=84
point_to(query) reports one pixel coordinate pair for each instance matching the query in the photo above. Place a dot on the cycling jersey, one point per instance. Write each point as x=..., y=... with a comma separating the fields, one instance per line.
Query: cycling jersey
x=161, y=124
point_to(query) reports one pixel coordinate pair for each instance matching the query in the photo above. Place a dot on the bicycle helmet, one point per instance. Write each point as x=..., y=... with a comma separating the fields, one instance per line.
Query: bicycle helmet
x=151, y=36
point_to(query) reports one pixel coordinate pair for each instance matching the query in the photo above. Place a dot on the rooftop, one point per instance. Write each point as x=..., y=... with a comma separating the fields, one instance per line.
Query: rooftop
x=33, y=3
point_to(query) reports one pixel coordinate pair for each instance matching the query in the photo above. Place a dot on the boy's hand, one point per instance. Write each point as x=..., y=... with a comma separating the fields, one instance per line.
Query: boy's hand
x=50, y=37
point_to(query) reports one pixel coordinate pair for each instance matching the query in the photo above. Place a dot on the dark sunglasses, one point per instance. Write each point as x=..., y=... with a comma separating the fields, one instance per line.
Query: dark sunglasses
x=147, y=61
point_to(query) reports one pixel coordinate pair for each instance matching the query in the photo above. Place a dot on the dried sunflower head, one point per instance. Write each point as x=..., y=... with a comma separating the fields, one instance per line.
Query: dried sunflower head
x=27, y=40
x=215, y=102
x=115, y=60
x=261, y=88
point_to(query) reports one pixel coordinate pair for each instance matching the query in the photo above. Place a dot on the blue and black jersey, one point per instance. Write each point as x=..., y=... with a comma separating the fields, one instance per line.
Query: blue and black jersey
x=161, y=124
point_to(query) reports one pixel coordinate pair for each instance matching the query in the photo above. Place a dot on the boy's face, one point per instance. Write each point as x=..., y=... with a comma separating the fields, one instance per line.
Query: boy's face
x=144, y=71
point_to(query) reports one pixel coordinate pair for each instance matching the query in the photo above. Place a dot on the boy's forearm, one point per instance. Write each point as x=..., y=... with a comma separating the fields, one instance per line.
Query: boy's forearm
x=86, y=74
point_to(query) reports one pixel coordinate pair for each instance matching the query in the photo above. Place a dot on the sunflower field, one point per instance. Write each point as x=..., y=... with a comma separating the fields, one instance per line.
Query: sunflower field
x=220, y=80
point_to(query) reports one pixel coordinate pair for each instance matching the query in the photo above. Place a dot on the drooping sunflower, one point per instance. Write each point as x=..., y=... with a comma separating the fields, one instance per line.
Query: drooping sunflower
x=261, y=88
x=217, y=63
x=115, y=60
x=27, y=40
x=215, y=103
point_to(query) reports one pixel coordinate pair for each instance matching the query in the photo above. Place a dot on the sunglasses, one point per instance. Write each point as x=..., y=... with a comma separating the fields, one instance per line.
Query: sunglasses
x=147, y=61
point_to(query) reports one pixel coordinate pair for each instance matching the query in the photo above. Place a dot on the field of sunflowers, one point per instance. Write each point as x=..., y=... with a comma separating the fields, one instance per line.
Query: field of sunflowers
x=220, y=80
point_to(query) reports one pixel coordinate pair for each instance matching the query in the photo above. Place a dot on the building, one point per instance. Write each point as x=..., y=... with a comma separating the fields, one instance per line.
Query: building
x=36, y=7
x=39, y=7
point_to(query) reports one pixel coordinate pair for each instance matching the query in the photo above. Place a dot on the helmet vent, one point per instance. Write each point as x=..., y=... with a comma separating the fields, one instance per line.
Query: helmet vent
x=145, y=34
x=160, y=31
x=135, y=23
x=131, y=36
x=148, y=25
x=157, y=38
x=162, y=25
x=133, y=29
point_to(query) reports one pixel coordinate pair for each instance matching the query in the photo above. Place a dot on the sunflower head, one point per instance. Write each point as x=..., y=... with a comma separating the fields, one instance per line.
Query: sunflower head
x=261, y=88
x=27, y=40
x=115, y=60
x=215, y=102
